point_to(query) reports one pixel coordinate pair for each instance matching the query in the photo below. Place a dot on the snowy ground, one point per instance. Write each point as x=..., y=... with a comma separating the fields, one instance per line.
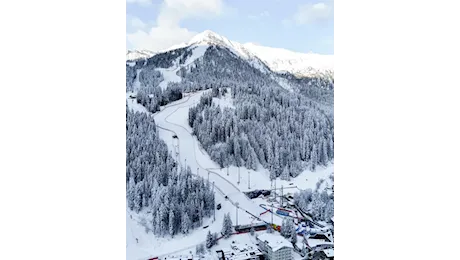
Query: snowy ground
x=224, y=101
x=149, y=245
x=170, y=74
x=240, y=241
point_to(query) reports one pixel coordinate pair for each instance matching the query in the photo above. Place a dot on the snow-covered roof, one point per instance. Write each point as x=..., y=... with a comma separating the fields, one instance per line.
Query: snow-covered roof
x=246, y=255
x=329, y=252
x=241, y=252
x=275, y=241
x=315, y=242
x=181, y=257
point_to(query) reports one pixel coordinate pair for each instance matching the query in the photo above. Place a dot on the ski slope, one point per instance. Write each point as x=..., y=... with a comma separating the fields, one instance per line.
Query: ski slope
x=149, y=245
x=193, y=156
x=170, y=74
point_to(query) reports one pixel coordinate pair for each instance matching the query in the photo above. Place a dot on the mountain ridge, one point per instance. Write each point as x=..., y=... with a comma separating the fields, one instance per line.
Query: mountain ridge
x=276, y=59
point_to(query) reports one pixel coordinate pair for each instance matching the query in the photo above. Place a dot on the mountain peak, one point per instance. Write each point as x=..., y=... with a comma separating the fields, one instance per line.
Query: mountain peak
x=209, y=37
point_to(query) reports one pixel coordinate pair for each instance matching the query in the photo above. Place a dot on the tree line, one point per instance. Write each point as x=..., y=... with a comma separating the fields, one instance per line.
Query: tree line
x=177, y=200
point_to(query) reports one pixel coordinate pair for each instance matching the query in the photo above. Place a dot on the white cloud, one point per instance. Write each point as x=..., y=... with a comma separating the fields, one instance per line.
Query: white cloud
x=259, y=16
x=167, y=30
x=137, y=23
x=310, y=13
x=140, y=2
x=159, y=38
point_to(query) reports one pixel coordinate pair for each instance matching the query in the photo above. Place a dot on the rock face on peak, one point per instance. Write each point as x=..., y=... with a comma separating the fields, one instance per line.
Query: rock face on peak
x=209, y=37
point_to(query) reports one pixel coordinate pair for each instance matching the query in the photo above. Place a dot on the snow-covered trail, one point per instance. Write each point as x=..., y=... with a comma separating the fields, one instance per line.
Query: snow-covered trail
x=151, y=246
x=200, y=163
x=170, y=74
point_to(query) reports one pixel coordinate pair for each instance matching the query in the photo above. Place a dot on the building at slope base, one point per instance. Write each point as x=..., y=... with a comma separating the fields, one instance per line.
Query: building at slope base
x=275, y=247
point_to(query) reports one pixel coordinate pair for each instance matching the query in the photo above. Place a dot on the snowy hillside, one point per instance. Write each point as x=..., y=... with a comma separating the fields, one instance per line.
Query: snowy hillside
x=138, y=54
x=282, y=60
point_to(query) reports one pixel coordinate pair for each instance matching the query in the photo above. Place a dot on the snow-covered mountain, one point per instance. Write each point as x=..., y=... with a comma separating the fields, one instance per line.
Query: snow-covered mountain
x=260, y=57
x=138, y=54
x=282, y=60
x=232, y=108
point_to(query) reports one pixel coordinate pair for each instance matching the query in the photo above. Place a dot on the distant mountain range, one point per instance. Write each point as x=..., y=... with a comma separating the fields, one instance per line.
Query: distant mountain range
x=263, y=58
x=139, y=54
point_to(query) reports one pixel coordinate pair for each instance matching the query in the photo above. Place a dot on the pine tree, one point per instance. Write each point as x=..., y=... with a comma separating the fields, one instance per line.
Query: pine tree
x=285, y=175
x=145, y=201
x=137, y=197
x=227, y=226
x=163, y=219
x=325, y=157
x=330, y=149
x=199, y=250
x=185, y=223
x=214, y=238
x=131, y=192
x=329, y=211
x=272, y=173
x=284, y=228
x=209, y=243
x=293, y=235
x=317, y=206
x=172, y=225
x=157, y=228
x=313, y=158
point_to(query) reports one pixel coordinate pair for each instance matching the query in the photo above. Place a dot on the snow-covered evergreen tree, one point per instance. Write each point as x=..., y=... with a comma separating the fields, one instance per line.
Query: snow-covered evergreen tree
x=293, y=236
x=227, y=226
x=138, y=197
x=286, y=227
x=185, y=224
x=285, y=230
x=317, y=206
x=313, y=158
x=285, y=174
x=200, y=249
x=329, y=210
x=131, y=193
x=209, y=241
x=214, y=238
x=172, y=226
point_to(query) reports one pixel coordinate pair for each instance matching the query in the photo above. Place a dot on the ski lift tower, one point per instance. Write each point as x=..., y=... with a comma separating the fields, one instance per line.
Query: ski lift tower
x=236, y=204
x=249, y=180
x=214, y=201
